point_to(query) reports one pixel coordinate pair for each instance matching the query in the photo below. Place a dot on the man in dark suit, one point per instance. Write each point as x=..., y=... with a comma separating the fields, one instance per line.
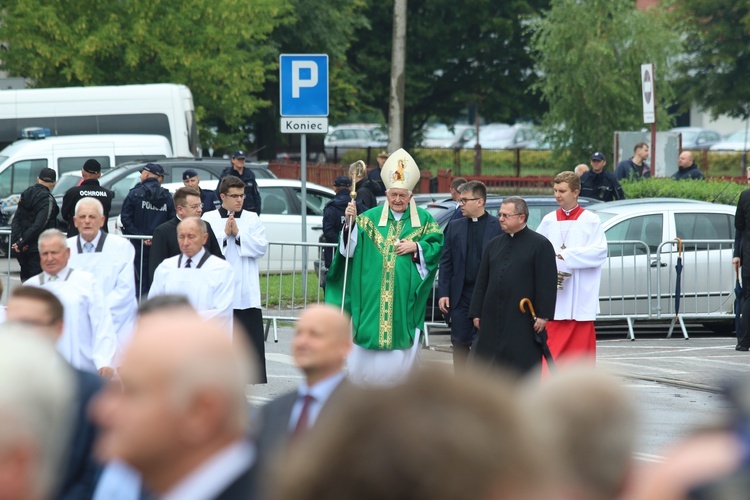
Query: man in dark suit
x=321, y=343
x=187, y=202
x=40, y=308
x=181, y=420
x=465, y=241
x=455, y=194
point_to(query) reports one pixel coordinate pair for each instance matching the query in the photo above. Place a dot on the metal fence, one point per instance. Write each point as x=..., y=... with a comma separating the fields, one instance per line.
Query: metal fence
x=639, y=283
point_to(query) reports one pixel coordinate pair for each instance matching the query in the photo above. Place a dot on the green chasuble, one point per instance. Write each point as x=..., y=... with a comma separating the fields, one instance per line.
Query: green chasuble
x=385, y=295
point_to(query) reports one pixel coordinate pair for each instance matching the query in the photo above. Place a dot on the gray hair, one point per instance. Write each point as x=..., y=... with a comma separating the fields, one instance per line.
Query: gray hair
x=520, y=205
x=90, y=202
x=37, y=397
x=50, y=234
x=197, y=220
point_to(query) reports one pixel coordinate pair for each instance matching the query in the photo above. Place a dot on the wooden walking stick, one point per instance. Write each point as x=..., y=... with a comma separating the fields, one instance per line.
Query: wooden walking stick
x=356, y=170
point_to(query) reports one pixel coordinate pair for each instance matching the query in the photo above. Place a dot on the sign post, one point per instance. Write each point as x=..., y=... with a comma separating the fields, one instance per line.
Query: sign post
x=648, y=91
x=303, y=91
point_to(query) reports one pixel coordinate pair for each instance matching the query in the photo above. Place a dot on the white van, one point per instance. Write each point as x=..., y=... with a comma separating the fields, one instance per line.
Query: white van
x=21, y=162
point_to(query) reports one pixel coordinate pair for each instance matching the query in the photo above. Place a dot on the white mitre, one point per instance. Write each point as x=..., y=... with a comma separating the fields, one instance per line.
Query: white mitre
x=400, y=171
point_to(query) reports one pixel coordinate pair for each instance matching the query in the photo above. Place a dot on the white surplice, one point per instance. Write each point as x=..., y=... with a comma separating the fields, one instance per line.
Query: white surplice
x=583, y=256
x=242, y=253
x=210, y=288
x=113, y=269
x=88, y=341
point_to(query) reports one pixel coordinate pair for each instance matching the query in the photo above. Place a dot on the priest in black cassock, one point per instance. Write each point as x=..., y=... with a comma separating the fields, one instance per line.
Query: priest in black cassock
x=519, y=264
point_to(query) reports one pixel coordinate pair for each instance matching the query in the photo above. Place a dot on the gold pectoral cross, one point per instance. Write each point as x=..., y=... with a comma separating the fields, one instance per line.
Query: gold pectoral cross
x=562, y=247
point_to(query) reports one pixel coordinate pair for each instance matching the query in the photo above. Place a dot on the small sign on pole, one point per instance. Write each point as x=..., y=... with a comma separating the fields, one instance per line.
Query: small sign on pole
x=647, y=90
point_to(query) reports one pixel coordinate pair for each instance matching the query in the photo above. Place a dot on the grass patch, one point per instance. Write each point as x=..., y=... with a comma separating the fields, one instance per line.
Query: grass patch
x=287, y=290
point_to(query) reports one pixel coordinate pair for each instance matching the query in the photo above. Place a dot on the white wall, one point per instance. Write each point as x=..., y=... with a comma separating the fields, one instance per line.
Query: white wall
x=722, y=124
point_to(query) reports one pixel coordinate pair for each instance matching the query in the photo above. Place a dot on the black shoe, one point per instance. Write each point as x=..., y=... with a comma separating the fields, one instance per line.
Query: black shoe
x=741, y=348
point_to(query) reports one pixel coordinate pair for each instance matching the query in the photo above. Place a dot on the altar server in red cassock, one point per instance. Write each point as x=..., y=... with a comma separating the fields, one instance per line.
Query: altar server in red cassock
x=578, y=239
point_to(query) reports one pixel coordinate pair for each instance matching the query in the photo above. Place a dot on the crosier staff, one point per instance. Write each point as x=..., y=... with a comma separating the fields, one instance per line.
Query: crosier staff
x=356, y=170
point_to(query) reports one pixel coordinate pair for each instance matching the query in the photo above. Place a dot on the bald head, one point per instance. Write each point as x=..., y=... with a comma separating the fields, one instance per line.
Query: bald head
x=183, y=398
x=685, y=159
x=321, y=342
x=581, y=169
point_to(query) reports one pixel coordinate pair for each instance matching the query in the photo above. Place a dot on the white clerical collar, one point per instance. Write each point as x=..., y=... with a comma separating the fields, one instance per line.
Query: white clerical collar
x=194, y=259
x=61, y=276
x=397, y=215
x=568, y=212
x=215, y=474
x=514, y=234
x=94, y=242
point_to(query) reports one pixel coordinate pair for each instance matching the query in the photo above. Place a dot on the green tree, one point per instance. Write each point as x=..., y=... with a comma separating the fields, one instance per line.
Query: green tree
x=458, y=54
x=716, y=64
x=218, y=49
x=589, y=53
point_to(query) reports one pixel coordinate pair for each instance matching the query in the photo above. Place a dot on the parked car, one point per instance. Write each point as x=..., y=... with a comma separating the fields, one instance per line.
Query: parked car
x=355, y=136
x=501, y=136
x=281, y=215
x=707, y=277
x=697, y=138
x=124, y=177
x=738, y=141
x=440, y=135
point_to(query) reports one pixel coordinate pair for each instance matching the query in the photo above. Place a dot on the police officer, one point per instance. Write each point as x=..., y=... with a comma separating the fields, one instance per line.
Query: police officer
x=600, y=184
x=37, y=211
x=374, y=174
x=146, y=206
x=88, y=188
x=237, y=169
x=208, y=198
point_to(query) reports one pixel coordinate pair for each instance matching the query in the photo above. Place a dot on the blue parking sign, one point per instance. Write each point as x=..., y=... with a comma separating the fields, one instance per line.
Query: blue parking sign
x=303, y=83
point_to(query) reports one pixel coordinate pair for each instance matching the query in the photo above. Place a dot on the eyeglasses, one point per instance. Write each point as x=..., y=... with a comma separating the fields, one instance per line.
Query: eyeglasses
x=464, y=201
x=505, y=216
x=194, y=207
x=236, y=196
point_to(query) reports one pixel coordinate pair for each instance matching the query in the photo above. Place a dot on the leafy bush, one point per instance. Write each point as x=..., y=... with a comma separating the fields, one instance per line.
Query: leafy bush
x=714, y=191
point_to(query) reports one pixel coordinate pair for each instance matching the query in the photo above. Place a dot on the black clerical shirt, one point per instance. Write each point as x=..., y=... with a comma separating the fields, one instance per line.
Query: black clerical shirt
x=474, y=238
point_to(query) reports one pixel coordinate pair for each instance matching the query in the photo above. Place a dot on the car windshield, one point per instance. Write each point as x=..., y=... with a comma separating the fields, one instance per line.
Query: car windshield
x=3, y=158
x=689, y=135
x=378, y=134
x=739, y=136
x=439, y=132
x=604, y=215
x=66, y=182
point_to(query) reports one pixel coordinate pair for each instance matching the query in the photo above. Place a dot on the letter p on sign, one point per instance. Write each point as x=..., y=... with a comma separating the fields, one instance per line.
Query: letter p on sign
x=303, y=85
x=298, y=81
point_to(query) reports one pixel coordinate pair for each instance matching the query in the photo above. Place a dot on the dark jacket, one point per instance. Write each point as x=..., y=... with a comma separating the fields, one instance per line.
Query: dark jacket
x=37, y=211
x=377, y=181
x=146, y=207
x=82, y=470
x=692, y=172
x=366, y=193
x=602, y=186
x=627, y=169
x=210, y=200
x=333, y=220
x=89, y=188
x=252, y=195
x=164, y=244
x=453, y=259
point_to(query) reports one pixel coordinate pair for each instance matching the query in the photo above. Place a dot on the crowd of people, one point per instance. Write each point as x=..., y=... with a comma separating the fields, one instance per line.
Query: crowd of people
x=150, y=400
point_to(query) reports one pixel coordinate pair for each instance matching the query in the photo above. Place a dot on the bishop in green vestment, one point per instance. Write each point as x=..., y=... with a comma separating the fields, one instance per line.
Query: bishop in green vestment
x=394, y=252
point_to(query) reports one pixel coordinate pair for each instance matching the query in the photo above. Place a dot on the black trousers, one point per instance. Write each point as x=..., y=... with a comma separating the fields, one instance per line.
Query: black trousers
x=743, y=336
x=462, y=329
x=29, y=262
x=251, y=320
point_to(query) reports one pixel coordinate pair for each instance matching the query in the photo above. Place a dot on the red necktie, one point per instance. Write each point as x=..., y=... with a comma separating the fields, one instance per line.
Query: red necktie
x=304, y=417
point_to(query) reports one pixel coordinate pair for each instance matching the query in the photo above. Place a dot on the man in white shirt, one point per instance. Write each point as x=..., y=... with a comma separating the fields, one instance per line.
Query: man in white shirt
x=242, y=239
x=206, y=280
x=182, y=416
x=581, y=248
x=88, y=341
x=322, y=341
x=110, y=259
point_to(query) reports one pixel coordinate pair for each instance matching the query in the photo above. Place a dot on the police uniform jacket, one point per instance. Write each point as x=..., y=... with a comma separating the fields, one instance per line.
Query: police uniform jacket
x=252, y=195
x=602, y=186
x=37, y=211
x=147, y=206
x=210, y=200
x=333, y=220
x=89, y=188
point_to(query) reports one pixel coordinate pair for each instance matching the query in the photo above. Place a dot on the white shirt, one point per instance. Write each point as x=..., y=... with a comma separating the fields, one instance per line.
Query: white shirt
x=194, y=260
x=214, y=475
x=242, y=252
x=320, y=393
x=209, y=289
x=88, y=341
x=583, y=256
x=114, y=272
